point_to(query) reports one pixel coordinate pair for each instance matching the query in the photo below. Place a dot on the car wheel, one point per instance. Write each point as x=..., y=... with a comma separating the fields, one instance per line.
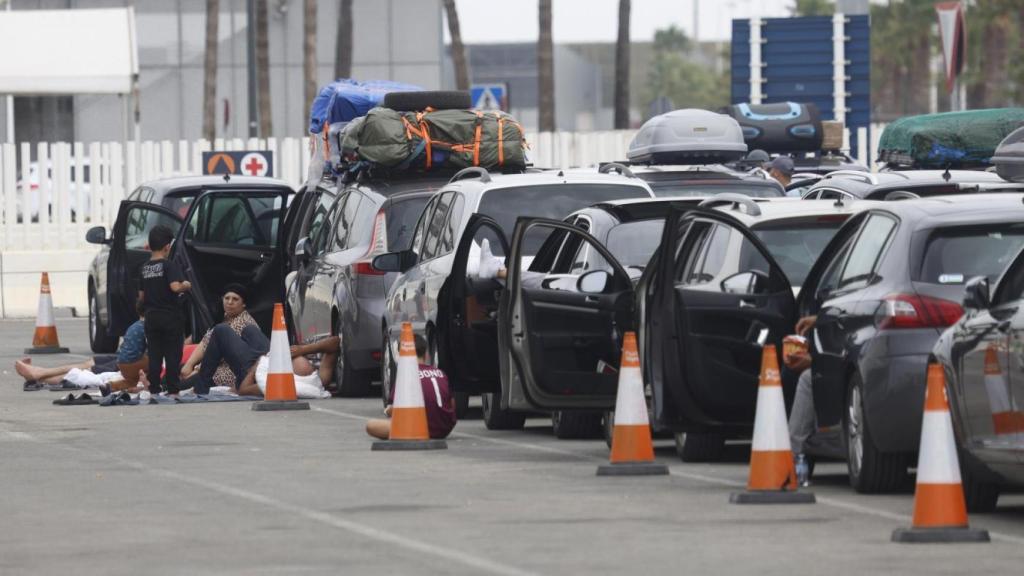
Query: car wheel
x=870, y=470
x=352, y=383
x=99, y=341
x=387, y=370
x=496, y=418
x=980, y=496
x=608, y=426
x=461, y=404
x=699, y=446
x=575, y=424
x=421, y=100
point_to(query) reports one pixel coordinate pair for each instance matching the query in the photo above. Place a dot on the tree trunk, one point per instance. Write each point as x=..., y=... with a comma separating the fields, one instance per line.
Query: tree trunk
x=263, y=70
x=343, y=42
x=309, y=51
x=458, y=50
x=210, y=71
x=622, y=68
x=545, y=70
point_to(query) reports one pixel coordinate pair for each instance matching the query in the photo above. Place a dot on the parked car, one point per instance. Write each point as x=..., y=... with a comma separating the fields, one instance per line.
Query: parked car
x=887, y=285
x=982, y=357
x=444, y=303
x=906, y=184
x=699, y=180
x=335, y=289
x=227, y=230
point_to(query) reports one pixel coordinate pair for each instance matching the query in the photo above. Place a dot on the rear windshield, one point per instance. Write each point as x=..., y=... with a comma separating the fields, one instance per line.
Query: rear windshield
x=633, y=243
x=179, y=203
x=555, y=201
x=797, y=245
x=955, y=255
x=676, y=189
x=401, y=221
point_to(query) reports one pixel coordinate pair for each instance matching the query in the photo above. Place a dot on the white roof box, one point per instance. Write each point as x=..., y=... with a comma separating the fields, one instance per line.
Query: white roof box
x=690, y=136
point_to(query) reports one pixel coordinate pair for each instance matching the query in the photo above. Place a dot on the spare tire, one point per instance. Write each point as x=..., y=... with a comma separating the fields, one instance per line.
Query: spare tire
x=436, y=99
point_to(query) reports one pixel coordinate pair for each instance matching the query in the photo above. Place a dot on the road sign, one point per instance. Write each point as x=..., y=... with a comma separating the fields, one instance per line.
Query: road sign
x=243, y=163
x=489, y=96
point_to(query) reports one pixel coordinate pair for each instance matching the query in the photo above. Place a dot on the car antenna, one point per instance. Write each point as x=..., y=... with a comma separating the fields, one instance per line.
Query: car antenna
x=946, y=175
x=227, y=177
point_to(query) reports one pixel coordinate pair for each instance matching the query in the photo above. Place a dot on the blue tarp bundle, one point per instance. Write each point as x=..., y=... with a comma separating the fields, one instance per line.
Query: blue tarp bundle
x=346, y=99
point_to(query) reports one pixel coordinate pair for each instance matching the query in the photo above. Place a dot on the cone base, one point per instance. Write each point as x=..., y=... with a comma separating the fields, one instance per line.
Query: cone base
x=937, y=535
x=274, y=405
x=632, y=469
x=47, y=350
x=400, y=445
x=772, y=497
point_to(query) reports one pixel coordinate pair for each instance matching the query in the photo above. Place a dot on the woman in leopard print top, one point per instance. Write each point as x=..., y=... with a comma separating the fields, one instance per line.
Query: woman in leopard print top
x=238, y=320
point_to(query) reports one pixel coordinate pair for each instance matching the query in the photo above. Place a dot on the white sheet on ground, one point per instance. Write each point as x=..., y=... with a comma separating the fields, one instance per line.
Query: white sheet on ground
x=306, y=387
x=86, y=379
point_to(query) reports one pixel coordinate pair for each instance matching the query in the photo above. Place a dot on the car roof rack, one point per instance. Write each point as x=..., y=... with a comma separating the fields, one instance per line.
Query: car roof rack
x=735, y=199
x=476, y=171
x=617, y=167
x=866, y=177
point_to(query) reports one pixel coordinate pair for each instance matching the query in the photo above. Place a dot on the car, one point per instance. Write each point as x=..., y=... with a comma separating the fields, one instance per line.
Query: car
x=704, y=327
x=33, y=192
x=906, y=184
x=981, y=356
x=227, y=230
x=698, y=180
x=334, y=289
x=436, y=290
x=889, y=282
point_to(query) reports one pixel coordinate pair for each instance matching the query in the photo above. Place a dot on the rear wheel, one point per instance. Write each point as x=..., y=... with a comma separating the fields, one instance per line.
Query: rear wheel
x=699, y=446
x=608, y=426
x=387, y=370
x=574, y=424
x=99, y=341
x=870, y=469
x=352, y=383
x=979, y=495
x=461, y=404
x=497, y=418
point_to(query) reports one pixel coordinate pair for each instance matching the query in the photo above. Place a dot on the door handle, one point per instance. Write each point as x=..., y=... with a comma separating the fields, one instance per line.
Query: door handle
x=747, y=303
x=591, y=300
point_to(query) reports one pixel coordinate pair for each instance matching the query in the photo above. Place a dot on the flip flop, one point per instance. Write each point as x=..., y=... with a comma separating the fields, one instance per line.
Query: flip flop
x=32, y=386
x=68, y=400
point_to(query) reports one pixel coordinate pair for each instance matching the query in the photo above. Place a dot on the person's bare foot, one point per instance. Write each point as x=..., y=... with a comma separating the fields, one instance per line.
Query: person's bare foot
x=25, y=370
x=27, y=359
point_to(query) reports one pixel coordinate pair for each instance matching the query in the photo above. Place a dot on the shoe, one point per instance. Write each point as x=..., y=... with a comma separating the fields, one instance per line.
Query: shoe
x=489, y=265
x=104, y=390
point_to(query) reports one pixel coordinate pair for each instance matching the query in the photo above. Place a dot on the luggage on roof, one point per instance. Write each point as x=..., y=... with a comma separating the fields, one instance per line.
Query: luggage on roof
x=782, y=127
x=948, y=140
x=1009, y=157
x=346, y=99
x=689, y=136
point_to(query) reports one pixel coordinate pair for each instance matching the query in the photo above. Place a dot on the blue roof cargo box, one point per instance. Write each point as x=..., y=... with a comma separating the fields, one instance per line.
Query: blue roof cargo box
x=346, y=99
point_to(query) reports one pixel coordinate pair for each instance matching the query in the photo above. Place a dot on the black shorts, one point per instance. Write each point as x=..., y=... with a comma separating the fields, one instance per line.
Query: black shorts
x=104, y=363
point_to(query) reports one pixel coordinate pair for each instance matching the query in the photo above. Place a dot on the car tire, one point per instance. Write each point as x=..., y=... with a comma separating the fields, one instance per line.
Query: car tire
x=387, y=370
x=980, y=496
x=871, y=471
x=699, y=446
x=421, y=100
x=461, y=404
x=99, y=341
x=608, y=426
x=497, y=418
x=352, y=383
x=576, y=424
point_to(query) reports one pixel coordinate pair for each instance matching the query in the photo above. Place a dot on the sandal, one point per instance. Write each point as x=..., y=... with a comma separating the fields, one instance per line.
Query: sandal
x=72, y=400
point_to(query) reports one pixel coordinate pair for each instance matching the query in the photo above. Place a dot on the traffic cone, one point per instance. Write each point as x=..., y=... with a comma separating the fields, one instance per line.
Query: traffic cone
x=408, y=413
x=280, y=393
x=772, y=472
x=1007, y=422
x=45, y=341
x=940, y=513
x=632, y=450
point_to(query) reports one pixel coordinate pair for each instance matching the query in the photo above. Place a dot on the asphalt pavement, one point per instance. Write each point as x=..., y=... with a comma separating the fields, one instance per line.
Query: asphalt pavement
x=219, y=489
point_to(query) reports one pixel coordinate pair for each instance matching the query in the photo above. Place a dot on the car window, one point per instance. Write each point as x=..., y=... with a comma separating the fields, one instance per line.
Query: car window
x=829, y=194
x=796, y=246
x=866, y=252
x=421, y=226
x=682, y=187
x=633, y=243
x=362, y=223
x=401, y=221
x=239, y=220
x=954, y=255
x=708, y=257
x=436, y=226
x=179, y=202
x=723, y=254
x=321, y=214
x=451, y=227
x=1011, y=287
x=562, y=273
x=139, y=221
x=346, y=220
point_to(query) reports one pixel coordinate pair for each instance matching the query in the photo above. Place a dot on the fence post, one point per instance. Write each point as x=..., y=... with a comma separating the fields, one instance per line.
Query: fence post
x=9, y=187
x=45, y=185
x=131, y=170
x=183, y=157
x=25, y=191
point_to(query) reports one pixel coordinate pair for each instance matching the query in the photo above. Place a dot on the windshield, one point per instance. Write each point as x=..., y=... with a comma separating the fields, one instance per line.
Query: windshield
x=683, y=188
x=955, y=255
x=795, y=246
x=401, y=221
x=633, y=243
x=555, y=201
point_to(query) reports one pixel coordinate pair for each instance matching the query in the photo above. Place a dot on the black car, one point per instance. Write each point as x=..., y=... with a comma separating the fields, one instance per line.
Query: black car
x=887, y=285
x=983, y=359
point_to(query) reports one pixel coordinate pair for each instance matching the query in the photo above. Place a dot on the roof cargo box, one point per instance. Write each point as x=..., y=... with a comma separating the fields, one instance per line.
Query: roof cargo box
x=689, y=136
x=779, y=128
x=1009, y=158
x=948, y=140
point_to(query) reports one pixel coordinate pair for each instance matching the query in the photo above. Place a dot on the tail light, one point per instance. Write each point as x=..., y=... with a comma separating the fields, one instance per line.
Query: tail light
x=899, y=311
x=365, y=268
x=378, y=246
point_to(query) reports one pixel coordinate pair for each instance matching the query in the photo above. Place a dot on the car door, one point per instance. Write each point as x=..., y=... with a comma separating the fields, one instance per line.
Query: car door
x=1008, y=311
x=722, y=297
x=128, y=250
x=315, y=232
x=564, y=320
x=983, y=338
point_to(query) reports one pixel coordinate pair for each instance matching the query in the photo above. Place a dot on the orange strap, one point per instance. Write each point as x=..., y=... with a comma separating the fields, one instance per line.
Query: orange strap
x=425, y=132
x=476, y=140
x=327, y=143
x=501, y=139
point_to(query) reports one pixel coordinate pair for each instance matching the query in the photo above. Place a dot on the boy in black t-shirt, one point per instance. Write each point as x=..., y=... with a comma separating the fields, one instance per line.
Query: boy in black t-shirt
x=161, y=282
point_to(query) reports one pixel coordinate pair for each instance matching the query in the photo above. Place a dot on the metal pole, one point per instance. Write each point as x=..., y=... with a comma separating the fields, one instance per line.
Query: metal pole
x=251, y=61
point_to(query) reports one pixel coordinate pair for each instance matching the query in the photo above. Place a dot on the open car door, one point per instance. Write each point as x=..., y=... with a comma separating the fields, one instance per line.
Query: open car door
x=129, y=249
x=468, y=311
x=233, y=235
x=567, y=310
x=719, y=298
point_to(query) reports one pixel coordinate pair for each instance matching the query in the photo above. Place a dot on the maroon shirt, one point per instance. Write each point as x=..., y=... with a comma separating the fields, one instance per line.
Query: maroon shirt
x=437, y=399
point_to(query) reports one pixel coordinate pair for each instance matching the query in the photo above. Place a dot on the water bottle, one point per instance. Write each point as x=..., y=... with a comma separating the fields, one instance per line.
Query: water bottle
x=144, y=396
x=803, y=471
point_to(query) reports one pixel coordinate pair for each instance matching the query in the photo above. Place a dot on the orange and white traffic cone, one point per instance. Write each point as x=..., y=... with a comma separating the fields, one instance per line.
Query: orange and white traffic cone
x=940, y=513
x=280, y=392
x=44, y=340
x=1007, y=421
x=632, y=450
x=772, y=472
x=409, y=429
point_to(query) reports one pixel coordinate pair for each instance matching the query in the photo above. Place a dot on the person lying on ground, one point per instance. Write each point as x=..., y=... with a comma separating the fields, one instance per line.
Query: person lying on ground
x=309, y=378
x=437, y=398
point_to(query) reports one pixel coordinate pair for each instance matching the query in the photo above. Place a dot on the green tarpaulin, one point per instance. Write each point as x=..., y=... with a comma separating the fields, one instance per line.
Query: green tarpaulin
x=951, y=139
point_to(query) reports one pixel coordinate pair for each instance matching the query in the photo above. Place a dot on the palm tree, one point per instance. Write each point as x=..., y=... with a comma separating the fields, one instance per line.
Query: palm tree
x=343, y=41
x=263, y=70
x=622, y=68
x=309, y=51
x=210, y=71
x=545, y=70
x=458, y=50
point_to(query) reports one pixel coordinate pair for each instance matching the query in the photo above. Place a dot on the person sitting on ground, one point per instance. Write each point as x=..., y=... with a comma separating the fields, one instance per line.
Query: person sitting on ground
x=229, y=351
x=309, y=379
x=802, y=419
x=437, y=399
x=130, y=361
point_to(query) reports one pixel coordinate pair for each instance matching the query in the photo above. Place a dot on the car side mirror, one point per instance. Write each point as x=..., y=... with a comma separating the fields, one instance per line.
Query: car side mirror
x=302, y=249
x=746, y=282
x=395, y=261
x=97, y=235
x=593, y=282
x=976, y=294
